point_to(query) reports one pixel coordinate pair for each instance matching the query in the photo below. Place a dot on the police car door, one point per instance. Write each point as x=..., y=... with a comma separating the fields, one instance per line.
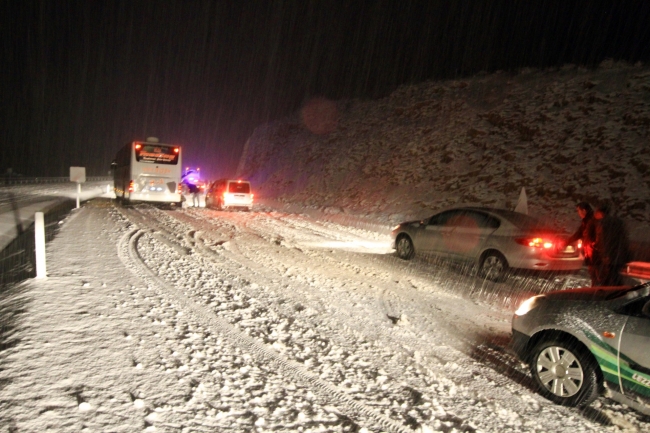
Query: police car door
x=634, y=354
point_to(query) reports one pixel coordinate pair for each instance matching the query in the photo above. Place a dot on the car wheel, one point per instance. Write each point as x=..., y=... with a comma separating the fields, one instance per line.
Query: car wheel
x=404, y=248
x=494, y=266
x=564, y=373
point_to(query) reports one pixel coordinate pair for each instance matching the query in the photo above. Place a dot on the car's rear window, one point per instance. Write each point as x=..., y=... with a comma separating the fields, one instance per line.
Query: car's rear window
x=240, y=188
x=526, y=222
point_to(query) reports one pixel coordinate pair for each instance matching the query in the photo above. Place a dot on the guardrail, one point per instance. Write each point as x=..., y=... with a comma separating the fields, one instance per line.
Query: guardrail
x=20, y=180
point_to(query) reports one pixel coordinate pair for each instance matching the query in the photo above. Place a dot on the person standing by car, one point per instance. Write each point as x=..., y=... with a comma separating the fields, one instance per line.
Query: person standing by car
x=587, y=234
x=611, y=247
x=194, y=191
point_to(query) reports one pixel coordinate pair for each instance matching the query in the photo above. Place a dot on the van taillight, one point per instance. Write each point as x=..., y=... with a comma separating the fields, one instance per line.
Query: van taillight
x=131, y=186
x=179, y=188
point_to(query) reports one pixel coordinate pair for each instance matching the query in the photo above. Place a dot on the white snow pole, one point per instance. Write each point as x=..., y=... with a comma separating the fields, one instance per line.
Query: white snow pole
x=78, y=193
x=39, y=233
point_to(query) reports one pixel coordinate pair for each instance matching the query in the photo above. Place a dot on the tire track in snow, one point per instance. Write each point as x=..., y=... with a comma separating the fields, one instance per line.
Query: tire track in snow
x=404, y=386
x=338, y=397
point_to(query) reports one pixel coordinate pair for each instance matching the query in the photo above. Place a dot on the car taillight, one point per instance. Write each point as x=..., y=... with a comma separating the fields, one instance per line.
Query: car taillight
x=580, y=244
x=131, y=186
x=179, y=188
x=545, y=243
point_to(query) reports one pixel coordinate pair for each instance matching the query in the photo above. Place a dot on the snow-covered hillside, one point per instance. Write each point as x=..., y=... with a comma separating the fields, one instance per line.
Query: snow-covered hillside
x=565, y=135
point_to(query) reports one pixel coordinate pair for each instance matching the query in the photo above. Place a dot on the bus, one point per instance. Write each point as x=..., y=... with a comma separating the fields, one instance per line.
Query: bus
x=148, y=171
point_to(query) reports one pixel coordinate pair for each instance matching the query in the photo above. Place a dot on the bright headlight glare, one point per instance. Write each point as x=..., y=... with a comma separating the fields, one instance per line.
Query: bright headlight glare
x=396, y=227
x=528, y=305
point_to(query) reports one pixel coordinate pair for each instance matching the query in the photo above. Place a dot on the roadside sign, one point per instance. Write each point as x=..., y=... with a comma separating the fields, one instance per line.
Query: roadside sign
x=78, y=174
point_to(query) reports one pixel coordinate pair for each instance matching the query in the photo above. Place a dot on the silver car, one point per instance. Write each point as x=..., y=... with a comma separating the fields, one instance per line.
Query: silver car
x=583, y=342
x=494, y=239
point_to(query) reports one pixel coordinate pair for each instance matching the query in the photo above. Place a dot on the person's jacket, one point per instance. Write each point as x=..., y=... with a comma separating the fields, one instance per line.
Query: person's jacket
x=612, y=241
x=587, y=233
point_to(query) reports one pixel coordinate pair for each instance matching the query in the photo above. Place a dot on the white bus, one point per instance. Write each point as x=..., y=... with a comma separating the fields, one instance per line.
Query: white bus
x=148, y=171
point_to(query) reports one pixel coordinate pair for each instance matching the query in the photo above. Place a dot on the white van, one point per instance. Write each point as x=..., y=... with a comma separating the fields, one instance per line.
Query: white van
x=229, y=194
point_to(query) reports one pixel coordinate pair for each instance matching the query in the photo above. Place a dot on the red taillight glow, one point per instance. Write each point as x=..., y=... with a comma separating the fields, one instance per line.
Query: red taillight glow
x=176, y=150
x=179, y=188
x=580, y=244
x=131, y=186
x=536, y=242
x=138, y=146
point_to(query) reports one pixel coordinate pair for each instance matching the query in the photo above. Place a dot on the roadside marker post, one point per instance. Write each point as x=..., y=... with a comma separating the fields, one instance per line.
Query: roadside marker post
x=39, y=233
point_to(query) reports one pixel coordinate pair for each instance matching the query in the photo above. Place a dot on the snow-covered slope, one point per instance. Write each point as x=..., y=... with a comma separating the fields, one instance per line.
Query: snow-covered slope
x=565, y=135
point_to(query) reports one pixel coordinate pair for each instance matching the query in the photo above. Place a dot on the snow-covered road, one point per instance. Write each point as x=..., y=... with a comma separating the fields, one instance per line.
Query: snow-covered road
x=200, y=320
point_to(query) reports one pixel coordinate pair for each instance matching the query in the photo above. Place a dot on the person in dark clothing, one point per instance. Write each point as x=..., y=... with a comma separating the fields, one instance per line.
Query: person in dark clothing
x=194, y=191
x=587, y=234
x=611, y=247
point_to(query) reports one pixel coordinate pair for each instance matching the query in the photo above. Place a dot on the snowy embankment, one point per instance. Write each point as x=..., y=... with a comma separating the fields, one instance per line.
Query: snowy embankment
x=566, y=135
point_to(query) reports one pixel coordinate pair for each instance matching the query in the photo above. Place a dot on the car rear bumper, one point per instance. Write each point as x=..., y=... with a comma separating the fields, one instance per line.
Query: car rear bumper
x=543, y=263
x=243, y=203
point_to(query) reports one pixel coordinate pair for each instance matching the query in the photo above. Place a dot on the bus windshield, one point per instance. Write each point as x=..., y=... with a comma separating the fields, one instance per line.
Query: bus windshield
x=156, y=153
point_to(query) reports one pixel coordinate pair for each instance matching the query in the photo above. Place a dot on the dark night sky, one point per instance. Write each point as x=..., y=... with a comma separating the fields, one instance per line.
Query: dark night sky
x=81, y=78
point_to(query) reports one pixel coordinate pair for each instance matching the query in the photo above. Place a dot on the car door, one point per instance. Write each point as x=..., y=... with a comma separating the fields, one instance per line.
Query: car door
x=435, y=235
x=470, y=231
x=634, y=354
